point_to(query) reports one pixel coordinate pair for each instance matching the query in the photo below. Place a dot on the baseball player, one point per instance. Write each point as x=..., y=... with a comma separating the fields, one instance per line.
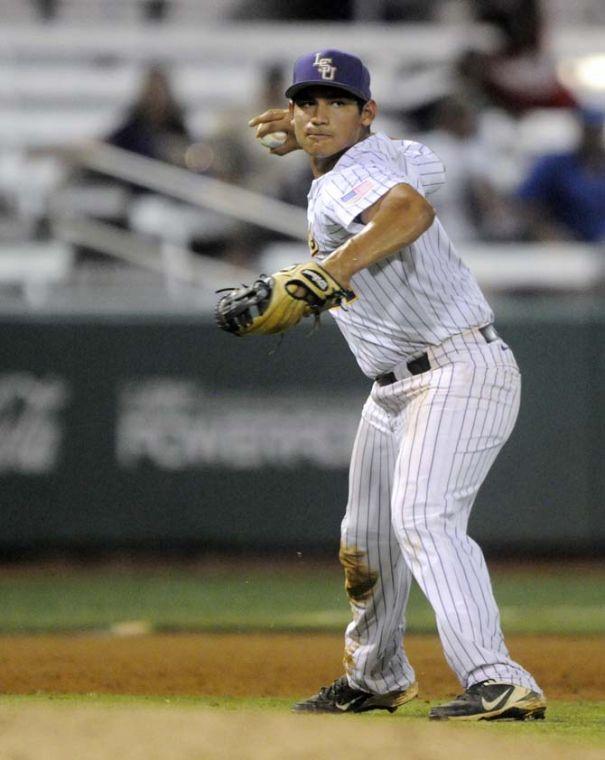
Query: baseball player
x=444, y=398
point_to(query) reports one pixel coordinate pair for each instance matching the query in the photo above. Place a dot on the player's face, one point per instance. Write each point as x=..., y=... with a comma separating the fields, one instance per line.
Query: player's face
x=327, y=121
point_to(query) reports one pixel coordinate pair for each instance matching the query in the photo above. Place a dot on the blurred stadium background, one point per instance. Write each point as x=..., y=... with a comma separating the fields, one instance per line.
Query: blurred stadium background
x=131, y=189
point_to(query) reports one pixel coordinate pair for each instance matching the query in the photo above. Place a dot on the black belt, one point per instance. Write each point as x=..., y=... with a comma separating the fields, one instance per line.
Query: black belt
x=422, y=364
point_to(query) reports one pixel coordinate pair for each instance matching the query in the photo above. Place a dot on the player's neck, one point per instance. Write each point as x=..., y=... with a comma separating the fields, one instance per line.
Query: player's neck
x=320, y=165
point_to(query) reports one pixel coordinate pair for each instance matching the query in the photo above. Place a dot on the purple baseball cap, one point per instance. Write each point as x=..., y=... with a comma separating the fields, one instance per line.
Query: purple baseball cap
x=332, y=68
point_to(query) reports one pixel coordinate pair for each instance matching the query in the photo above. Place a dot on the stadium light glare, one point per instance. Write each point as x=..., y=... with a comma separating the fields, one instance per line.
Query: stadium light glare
x=585, y=73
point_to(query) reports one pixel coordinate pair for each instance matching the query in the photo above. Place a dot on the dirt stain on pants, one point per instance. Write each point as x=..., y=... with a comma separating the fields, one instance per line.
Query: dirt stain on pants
x=359, y=579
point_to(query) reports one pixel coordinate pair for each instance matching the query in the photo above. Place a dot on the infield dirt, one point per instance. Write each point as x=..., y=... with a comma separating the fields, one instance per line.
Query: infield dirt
x=262, y=665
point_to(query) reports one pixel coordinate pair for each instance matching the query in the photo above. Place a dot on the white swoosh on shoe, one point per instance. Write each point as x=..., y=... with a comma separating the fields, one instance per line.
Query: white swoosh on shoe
x=344, y=705
x=493, y=703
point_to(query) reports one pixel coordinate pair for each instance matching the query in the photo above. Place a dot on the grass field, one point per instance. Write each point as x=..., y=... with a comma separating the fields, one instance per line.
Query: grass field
x=566, y=720
x=265, y=596
x=269, y=597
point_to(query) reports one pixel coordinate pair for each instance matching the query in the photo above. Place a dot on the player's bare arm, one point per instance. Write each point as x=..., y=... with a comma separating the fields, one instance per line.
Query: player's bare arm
x=396, y=220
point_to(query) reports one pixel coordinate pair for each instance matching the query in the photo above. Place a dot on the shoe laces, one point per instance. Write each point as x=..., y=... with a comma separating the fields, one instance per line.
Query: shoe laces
x=477, y=686
x=336, y=688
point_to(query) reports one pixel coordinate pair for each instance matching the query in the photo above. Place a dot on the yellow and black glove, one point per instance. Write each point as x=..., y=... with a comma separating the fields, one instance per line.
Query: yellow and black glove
x=277, y=302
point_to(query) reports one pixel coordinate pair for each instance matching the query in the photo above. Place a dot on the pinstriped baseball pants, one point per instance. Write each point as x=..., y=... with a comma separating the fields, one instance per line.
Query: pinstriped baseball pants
x=424, y=447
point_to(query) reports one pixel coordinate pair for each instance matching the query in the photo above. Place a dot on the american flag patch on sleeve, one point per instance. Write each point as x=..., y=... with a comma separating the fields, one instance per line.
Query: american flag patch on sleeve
x=358, y=191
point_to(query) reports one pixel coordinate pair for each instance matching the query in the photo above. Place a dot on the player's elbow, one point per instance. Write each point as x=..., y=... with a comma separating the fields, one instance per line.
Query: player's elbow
x=427, y=214
x=420, y=215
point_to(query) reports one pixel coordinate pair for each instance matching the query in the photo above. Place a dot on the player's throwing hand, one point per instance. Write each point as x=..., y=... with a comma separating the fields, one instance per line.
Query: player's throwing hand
x=276, y=120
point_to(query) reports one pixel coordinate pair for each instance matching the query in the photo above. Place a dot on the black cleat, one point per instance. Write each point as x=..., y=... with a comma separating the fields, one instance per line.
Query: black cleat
x=339, y=697
x=492, y=700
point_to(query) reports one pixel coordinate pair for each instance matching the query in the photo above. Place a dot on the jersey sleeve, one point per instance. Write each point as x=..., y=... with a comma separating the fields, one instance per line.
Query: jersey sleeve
x=425, y=164
x=355, y=189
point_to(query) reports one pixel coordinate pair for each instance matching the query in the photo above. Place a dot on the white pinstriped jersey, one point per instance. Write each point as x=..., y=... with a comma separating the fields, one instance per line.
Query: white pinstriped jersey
x=418, y=296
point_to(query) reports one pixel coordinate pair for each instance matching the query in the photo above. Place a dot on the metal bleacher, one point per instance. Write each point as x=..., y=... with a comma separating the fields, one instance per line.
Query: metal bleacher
x=63, y=81
x=69, y=79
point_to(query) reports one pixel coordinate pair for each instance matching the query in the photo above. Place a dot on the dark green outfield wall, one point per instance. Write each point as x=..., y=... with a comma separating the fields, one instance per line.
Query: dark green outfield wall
x=163, y=432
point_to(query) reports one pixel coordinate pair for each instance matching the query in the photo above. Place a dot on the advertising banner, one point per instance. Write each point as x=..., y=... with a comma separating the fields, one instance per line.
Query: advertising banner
x=166, y=432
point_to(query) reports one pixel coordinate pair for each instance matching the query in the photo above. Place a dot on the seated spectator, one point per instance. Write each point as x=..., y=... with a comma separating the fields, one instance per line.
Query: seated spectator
x=520, y=75
x=155, y=124
x=564, y=194
x=155, y=127
x=469, y=205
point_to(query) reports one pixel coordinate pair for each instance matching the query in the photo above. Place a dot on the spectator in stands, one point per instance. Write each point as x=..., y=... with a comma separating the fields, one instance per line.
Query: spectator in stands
x=155, y=127
x=155, y=124
x=564, y=195
x=468, y=204
x=520, y=75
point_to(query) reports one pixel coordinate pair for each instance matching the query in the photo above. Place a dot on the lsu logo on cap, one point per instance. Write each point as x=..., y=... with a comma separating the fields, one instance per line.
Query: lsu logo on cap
x=324, y=67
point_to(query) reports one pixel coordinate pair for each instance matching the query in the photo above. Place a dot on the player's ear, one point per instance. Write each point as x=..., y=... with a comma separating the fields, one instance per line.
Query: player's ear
x=368, y=113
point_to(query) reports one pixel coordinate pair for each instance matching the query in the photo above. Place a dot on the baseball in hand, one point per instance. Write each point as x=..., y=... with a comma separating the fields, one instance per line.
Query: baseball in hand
x=274, y=139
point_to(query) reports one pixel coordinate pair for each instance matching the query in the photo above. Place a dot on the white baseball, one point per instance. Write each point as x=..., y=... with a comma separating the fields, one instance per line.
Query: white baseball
x=274, y=139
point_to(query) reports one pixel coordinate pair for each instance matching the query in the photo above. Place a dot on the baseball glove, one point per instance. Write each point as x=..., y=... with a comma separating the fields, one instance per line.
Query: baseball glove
x=275, y=303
